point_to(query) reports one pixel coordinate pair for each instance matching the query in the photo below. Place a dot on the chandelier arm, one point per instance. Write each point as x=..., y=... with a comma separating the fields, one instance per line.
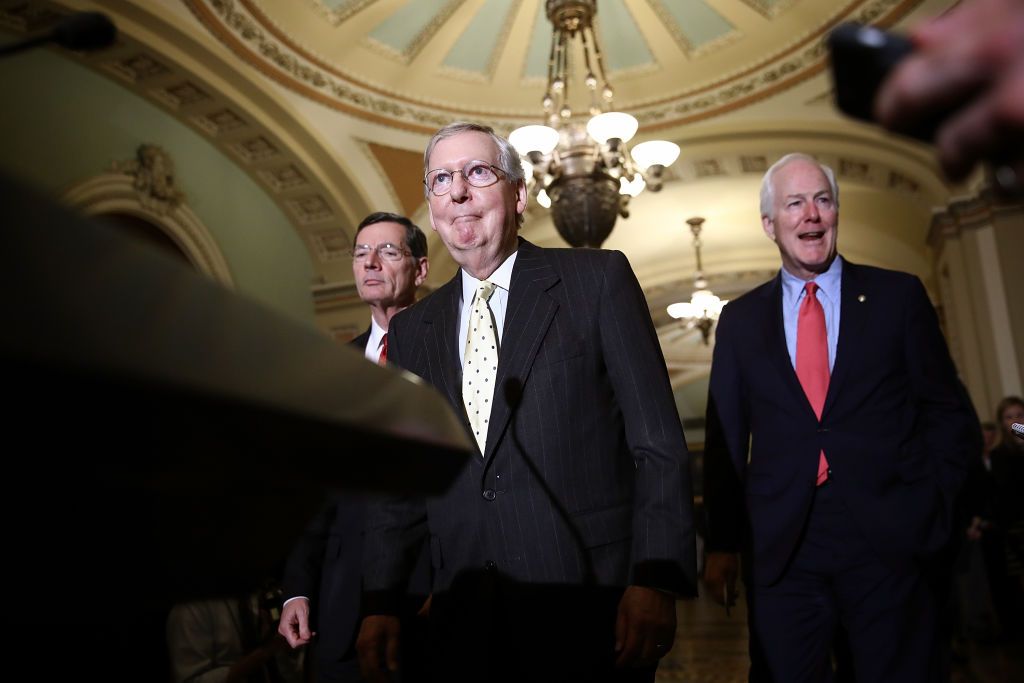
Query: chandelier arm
x=594, y=103
x=551, y=62
x=562, y=73
x=600, y=66
x=565, y=88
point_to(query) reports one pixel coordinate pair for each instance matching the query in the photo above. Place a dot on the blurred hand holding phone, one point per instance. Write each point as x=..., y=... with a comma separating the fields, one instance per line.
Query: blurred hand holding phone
x=956, y=82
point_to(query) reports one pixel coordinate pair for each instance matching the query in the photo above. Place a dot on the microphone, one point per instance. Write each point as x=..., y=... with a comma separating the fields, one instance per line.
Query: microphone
x=82, y=32
x=1018, y=429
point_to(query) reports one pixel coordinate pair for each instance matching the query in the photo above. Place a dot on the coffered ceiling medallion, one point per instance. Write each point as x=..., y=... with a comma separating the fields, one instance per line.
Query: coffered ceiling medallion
x=420, y=64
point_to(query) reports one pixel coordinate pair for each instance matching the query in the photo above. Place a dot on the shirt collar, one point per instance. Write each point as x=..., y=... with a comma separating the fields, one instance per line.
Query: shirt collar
x=502, y=277
x=376, y=335
x=828, y=282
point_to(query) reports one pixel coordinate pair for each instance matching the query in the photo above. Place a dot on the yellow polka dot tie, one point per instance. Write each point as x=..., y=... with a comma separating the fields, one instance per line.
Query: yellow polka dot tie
x=481, y=364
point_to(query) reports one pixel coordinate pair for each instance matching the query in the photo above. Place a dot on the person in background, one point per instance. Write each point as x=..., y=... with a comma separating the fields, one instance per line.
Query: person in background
x=231, y=640
x=322, y=580
x=1006, y=571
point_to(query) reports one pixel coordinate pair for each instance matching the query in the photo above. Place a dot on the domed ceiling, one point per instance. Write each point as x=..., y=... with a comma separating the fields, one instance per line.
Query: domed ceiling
x=420, y=64
x=328, y=104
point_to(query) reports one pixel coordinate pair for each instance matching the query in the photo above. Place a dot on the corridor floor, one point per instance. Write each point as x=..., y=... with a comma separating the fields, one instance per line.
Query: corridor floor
x=711, y=647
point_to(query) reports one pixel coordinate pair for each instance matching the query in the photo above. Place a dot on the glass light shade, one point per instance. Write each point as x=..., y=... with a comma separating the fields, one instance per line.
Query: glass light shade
x=682, y=309
x=612, y=124
x=702, y=303
x=534, y=138
x=704, y=299
x=632, y=188
x=543, y=199
x=652, y=152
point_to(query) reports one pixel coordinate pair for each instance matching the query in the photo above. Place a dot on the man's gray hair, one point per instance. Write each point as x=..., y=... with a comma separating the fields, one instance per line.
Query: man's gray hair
x=768, y=186
x=508, y=157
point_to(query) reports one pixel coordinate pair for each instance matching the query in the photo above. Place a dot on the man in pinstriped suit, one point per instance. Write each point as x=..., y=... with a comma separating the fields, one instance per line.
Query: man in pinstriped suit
x=560, y=549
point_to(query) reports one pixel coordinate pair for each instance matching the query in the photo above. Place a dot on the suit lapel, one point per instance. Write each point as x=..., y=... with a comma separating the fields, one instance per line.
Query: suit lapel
x=527, y=319
x=361, y=341
x=441, y=339
x=852, y=316
x=777, y=350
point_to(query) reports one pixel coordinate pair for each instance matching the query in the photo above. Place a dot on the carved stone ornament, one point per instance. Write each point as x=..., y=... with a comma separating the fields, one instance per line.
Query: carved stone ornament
x=153, y=173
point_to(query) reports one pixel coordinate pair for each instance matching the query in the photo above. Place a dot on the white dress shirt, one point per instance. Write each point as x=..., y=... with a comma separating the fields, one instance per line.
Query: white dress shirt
x=498, y=302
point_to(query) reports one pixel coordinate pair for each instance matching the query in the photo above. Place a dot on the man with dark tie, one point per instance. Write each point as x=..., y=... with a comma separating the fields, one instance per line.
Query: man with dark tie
x=837, y=439
x=322, y=578
x=560, y=549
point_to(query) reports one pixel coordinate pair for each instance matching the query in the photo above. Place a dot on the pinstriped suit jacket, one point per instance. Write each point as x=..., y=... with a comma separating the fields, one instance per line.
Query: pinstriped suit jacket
x=584, y=479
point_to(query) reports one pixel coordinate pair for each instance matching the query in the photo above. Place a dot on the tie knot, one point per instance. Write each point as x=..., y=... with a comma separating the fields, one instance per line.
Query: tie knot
x=485, y=290
x=811, y=288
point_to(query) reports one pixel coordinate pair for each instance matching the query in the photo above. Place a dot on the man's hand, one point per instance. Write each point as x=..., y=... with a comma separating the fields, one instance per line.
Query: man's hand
x=969, y=61
x=424, y=611
x=645, y=628
x=377, y=646
x=294, y=624
x=720, y=573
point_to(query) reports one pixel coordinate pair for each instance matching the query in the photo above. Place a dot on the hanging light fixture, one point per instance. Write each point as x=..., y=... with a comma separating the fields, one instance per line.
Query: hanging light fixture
x=582, y=170
x=703, y=308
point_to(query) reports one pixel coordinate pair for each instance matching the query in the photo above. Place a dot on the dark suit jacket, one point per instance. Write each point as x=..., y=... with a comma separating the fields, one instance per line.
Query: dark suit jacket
x=584, y=479
x=895, y=427
x=325, y=565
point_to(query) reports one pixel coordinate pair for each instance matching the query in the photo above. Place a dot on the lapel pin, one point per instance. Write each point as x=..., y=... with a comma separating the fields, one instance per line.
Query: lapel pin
x=861, y=298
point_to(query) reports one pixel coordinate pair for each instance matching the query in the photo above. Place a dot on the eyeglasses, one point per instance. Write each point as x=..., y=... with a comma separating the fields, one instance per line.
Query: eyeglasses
x=476, y=173
x=386, y=251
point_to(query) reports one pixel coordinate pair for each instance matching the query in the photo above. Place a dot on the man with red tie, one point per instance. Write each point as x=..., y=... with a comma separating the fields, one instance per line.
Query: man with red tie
x=837, y=438
x=322, y=581
x=389, y=261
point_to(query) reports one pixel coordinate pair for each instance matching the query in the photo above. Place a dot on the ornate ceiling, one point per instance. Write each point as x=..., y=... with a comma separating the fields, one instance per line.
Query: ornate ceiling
x=421, y=64
x=328, y=105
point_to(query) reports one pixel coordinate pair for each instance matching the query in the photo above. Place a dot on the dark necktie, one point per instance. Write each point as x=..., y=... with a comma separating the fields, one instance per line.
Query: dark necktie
x=812, y=359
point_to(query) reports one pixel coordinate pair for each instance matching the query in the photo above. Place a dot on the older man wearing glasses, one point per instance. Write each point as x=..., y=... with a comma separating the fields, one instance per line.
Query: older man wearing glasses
x=559, y=550
x=389, y=261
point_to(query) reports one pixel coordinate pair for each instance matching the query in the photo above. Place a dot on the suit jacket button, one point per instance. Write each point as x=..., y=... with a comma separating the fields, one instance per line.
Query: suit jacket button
x=490, y=565
x=489, y=494
x=823, y=430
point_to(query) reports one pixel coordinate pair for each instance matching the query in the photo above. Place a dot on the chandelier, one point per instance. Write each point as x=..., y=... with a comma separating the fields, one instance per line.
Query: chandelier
x=703, y=308
x=581, y=169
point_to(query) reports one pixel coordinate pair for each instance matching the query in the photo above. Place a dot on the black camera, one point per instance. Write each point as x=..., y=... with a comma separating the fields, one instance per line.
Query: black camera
x=862, y=58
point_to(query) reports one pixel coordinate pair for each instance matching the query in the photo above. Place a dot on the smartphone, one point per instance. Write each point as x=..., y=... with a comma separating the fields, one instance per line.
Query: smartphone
x=862, y=58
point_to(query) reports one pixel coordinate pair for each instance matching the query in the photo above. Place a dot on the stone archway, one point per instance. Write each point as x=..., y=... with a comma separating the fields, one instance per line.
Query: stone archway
x=144, y=188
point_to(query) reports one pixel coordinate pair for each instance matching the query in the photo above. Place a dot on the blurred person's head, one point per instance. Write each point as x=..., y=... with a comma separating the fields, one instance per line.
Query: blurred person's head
x=1009, y=410
x=990, y=434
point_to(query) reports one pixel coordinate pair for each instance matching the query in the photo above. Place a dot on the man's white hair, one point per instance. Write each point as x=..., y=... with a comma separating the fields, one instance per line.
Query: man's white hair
x=768, y=184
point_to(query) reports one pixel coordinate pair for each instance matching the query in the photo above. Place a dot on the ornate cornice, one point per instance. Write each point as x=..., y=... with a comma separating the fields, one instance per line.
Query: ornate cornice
x=152, y=172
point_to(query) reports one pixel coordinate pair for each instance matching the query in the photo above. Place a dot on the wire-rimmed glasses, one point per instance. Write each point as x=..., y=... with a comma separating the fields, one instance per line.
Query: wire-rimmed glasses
x=386, y=251
x=477, y=173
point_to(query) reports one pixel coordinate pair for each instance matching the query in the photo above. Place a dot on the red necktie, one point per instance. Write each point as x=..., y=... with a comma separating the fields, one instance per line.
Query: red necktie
x=382, y=359
x=812, y=359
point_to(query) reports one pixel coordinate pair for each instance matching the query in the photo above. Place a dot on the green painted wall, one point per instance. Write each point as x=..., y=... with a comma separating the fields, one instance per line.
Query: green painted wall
x=61, y=123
